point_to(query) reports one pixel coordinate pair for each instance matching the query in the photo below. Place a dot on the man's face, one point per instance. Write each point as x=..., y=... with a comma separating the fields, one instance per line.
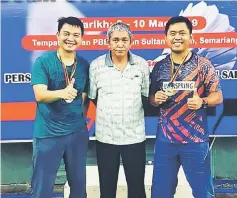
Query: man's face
x=119, y=43
x=69, y=37
x=178, y=37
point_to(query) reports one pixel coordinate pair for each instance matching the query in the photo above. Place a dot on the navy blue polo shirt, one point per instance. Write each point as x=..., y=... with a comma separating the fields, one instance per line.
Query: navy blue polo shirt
x=59, y=118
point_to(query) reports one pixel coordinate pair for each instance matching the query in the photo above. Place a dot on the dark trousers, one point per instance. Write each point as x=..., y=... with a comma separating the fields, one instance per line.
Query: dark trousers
x=195, y=159
x=47, y=155
x=134, y=162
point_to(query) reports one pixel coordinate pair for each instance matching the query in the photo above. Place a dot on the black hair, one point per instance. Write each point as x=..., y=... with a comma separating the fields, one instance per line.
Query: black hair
x=74, y=21
x=179, y=19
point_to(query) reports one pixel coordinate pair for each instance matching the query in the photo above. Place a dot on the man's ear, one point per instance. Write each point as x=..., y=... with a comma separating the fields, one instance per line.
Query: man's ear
x=191, y=39
x=130, y=43
x=57, y=35
x=166, y=39
x=108, y=43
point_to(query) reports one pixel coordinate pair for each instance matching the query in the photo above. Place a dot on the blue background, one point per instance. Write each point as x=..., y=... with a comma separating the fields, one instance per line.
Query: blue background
x=17, y=60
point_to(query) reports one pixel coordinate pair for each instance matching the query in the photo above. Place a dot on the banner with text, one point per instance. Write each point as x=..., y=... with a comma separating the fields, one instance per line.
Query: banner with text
x=29, y=30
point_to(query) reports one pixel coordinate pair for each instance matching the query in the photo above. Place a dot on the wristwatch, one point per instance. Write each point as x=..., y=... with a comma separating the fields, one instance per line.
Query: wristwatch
x=204, y=103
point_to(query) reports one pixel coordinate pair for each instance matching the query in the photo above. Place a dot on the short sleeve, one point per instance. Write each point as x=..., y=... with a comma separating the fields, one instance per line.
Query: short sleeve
x=211, y=79
x=146, y=79
x=87, y=65
x=92, y=90
x=155, y=76
x=39, y=74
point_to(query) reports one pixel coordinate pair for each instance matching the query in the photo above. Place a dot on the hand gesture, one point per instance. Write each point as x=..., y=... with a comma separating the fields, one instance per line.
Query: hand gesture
x=69, y=93
x=195, y=102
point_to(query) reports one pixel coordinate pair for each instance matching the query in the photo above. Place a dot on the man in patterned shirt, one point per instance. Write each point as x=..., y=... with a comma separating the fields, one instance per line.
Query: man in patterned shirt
x=183, y=84
x=119, y=80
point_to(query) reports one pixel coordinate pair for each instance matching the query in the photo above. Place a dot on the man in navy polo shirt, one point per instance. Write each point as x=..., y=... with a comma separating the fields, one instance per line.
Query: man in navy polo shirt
x=59, y=80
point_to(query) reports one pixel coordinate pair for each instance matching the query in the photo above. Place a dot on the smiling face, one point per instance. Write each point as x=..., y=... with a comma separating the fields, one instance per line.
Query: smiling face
x=178, y=38
x=69, y=37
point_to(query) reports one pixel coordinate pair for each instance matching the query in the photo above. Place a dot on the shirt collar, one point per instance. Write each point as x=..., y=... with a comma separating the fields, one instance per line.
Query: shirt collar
x=109, y=62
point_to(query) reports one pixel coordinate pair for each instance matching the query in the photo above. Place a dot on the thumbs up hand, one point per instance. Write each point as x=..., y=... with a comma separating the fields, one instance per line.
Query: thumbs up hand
x=195, y=102
x=69, y=93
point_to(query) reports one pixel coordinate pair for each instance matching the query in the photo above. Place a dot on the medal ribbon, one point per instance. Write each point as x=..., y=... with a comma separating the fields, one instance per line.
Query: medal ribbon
x=68, y=80
x=173, y=77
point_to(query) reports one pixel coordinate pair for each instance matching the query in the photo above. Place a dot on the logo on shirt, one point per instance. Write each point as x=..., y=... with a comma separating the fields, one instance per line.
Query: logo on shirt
x=181, y=85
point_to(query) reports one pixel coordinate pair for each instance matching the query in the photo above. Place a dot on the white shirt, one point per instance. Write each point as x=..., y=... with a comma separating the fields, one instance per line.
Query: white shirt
x=119, y=114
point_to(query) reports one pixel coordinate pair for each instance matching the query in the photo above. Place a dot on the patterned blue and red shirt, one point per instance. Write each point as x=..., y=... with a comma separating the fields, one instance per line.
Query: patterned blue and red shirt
x=177, y=123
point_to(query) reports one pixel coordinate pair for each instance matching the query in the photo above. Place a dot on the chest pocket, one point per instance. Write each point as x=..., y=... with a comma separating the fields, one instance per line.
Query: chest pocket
x=133, y=82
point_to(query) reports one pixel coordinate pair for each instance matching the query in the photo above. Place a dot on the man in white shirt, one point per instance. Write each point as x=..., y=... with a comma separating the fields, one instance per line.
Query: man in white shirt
x=119, y=83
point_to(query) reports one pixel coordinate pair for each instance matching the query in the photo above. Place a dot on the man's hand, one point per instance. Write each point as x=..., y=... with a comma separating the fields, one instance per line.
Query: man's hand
x=160, y=97
x=69, y=93
x=195, y=102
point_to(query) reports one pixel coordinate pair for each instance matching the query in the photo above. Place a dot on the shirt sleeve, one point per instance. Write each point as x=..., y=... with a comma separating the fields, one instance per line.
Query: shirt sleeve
x=92, y=90
x=154, y=87
x=211, y=79
x=145, y=80
x=86, y=87
x=39, y=73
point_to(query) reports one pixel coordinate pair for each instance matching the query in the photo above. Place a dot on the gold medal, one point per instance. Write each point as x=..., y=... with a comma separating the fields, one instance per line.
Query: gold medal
x=169, y=91
x=69, y=101
x=67, y=78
